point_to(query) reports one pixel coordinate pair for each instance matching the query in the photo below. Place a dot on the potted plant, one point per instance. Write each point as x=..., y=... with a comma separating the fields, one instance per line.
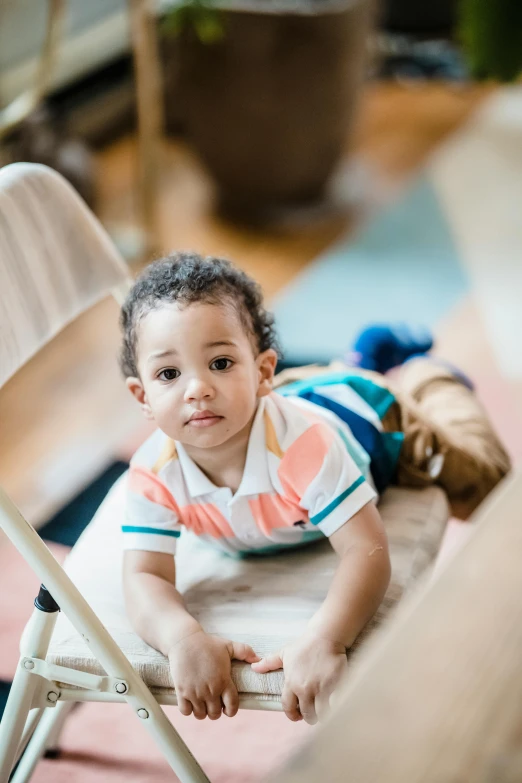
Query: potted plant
x=267, y=90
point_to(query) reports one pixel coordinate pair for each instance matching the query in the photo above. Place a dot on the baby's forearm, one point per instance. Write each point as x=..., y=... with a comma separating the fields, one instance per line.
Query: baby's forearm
x=157, y=612
x=357, y=589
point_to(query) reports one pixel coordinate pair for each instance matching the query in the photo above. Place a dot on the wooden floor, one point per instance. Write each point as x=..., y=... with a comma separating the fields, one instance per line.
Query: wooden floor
x=67, y=413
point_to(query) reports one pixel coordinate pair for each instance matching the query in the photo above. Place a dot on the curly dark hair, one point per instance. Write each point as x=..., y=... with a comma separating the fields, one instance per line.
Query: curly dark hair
x=187, y=278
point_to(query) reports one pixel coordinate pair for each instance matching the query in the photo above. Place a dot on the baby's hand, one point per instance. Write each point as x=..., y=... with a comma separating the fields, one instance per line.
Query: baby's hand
x=201, y=670
x=313, y=667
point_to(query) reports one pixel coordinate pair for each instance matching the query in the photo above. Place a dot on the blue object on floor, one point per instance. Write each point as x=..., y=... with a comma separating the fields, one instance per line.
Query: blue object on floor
x=380, y=347
x=403, y=266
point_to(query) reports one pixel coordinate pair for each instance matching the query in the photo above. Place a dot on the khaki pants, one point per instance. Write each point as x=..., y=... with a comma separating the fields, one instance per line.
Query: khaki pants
x=448, y=440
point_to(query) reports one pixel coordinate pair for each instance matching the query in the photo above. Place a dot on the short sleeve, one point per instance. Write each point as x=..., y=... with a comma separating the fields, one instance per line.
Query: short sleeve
x=151, y=514
x=319, y=473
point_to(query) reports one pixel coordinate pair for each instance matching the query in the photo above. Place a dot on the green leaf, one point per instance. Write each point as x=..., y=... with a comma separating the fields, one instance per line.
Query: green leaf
x=491, y=33
x=209, y=27
x=196, y=14
x=175, y=20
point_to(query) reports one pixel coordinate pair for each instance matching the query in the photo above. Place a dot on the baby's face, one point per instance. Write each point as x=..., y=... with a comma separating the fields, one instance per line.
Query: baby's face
x=199, y=376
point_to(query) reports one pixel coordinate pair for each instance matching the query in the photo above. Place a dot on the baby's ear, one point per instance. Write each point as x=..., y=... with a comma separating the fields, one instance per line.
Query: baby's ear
x=135, y=386
x=266, y=364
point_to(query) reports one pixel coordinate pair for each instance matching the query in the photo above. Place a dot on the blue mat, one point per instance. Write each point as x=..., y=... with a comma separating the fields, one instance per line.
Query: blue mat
x=402, y=266
x=68, y=524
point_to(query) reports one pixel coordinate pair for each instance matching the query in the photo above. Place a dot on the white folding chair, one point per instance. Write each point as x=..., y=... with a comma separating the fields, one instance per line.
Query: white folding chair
x=56, y=261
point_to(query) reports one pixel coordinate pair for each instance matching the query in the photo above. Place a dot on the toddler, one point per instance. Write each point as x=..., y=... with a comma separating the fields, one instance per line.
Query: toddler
x=253, y=470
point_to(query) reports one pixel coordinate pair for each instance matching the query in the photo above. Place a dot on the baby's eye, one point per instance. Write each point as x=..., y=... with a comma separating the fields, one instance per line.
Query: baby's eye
x=168, y=375
x=221, y=364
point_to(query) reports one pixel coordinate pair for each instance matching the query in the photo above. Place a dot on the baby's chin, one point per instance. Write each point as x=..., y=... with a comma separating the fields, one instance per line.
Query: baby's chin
x=207, y=438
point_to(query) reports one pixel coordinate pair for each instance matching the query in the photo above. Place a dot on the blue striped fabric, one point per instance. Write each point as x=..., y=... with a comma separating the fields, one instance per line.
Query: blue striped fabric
x=383, y=448
x=154, y=530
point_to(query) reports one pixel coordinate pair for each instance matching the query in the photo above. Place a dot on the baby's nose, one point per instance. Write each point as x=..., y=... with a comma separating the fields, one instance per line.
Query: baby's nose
x=199, y=389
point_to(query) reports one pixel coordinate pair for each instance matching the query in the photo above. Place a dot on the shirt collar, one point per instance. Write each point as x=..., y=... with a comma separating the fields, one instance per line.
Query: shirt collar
x=197, y=482
x=256, y=476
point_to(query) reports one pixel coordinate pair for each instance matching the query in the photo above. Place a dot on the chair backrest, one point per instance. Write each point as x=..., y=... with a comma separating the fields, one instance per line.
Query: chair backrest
x=56, y=260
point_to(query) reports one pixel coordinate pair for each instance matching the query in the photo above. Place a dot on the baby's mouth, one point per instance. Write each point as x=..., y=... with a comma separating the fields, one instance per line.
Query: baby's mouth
x=204, y=419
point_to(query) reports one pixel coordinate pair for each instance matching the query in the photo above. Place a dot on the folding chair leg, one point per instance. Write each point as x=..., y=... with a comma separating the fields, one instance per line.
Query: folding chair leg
x=111, y=658
x=52, y=718
x=32, y=722
x=34, y=643
x=61, y=713
x=174, y=749
x=14, y=719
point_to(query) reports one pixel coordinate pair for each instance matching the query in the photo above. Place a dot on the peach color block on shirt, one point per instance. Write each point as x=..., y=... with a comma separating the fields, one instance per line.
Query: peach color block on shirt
x=274, y=511
x=205, y=519
x=304, y=459
x=144, y=482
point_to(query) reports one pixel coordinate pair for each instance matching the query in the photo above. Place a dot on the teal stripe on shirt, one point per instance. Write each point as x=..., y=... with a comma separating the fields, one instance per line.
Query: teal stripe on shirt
x=153, y=530
x=337, y=501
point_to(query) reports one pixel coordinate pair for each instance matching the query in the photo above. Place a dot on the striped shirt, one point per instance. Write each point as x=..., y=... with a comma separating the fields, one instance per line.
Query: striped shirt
x=305, y=475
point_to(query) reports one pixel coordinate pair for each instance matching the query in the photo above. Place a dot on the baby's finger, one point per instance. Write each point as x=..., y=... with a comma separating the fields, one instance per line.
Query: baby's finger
x=199, y=709
x=307, y=707
x=214, y=708
x=185, y=707
x=322, y=704
x=290, y=705
x=269, y=664
x=230, y=699
x=243, y=652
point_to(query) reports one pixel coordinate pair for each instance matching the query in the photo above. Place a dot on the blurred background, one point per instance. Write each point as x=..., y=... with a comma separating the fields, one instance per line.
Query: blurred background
x=362, y=160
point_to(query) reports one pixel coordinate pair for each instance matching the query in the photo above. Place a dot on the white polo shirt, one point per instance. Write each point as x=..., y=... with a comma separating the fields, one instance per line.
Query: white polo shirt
x=300, y=483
